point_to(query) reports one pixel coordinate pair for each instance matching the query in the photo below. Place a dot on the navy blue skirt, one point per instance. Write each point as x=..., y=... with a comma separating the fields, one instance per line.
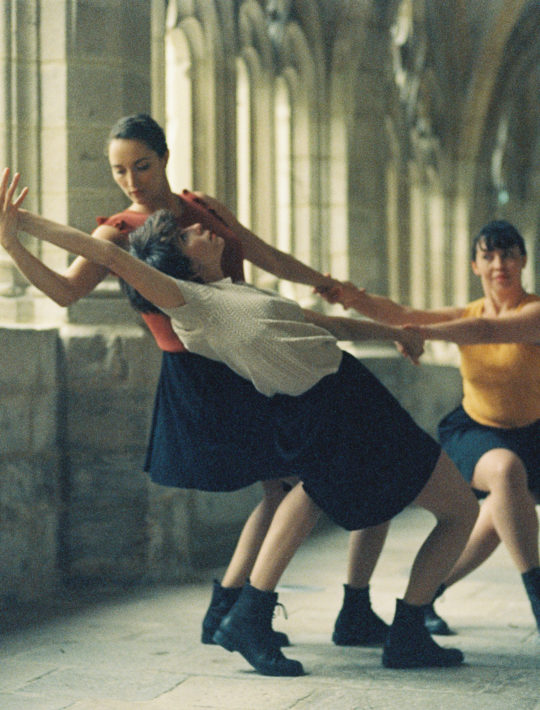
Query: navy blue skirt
x=466, y=441
x=360, y=455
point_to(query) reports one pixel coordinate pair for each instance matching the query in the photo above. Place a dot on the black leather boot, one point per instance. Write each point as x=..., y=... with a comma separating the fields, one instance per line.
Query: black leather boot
x=434, y=623
x=409, y=645
x=223, y=599
x=531, y=580
x=247, y=629
x=357, y=624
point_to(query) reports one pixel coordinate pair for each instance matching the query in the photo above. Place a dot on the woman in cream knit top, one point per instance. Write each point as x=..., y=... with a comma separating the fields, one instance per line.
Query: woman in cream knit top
x=323, y=417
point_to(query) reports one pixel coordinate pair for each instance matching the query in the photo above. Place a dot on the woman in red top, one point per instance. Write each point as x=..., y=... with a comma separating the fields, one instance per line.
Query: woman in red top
x=138, y=155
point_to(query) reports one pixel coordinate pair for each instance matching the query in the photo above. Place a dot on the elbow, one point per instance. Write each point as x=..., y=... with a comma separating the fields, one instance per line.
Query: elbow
x=67, y=297
x=65, y=300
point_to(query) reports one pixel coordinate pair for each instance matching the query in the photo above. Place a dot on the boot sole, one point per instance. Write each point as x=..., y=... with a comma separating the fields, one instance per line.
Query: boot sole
x=352, y=641
x=403, y=666
x=280, y=639
x=228, y=643
x=222, y=639
x=418, y=663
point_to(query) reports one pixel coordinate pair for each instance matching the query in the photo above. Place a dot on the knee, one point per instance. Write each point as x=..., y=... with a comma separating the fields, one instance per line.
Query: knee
x=507, y=475
x=274, y=492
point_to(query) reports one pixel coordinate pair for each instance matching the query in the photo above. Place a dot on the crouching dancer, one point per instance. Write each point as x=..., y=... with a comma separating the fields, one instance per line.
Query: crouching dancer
x=309, y=410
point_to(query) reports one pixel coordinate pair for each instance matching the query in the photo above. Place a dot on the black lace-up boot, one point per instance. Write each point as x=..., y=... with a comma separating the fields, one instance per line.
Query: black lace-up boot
x=434, y=623
x=223, y=599
x=409, y=645
x=357, y=624
x=247, y=629
x=531, y=580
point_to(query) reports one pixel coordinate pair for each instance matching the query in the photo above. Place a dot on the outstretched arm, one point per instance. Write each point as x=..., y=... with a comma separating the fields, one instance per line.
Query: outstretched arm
x=384, y=310
x=160, y=289
x=362, y=330
x=81, y=277
x=283, y=265
x=521, y=327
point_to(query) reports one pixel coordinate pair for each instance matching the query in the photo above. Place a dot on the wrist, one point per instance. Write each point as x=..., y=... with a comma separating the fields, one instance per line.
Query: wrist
x=24, y=219
x=11, y=246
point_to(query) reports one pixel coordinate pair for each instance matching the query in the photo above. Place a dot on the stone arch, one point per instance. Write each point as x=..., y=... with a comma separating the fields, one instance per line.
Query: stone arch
x=194, y=30
x=475, y=117
x=306, y=87
x=509, y=154
x=255, y=49
x=303, y=81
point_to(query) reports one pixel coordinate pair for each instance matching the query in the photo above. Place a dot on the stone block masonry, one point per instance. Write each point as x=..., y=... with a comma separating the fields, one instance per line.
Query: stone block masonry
x=75, y=506
x=30, y=495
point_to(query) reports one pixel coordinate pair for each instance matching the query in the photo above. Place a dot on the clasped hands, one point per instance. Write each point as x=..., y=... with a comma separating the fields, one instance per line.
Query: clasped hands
x=347, y=294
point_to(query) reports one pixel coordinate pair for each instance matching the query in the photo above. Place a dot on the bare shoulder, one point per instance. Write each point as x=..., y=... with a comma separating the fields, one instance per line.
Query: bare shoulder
x=110, y=234
x=532, y=308
x=210, y=201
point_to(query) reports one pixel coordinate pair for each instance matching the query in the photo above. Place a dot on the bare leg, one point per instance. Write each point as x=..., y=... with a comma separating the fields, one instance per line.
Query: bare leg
x=224, y=595
x=451, y=500
x=446, y=495
x=513, y=511
x=292, y=523
x=365, y=547
x=483, y=541
x=247, y=627
x=508, y=514
x=252, y=535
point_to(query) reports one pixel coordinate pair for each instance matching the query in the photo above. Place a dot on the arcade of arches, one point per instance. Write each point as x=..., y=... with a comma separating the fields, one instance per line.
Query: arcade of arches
x=371, y=138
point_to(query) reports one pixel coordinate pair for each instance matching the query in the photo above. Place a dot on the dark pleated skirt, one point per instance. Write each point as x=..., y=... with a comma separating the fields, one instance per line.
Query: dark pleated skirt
x=466, y=441
x=360, y=455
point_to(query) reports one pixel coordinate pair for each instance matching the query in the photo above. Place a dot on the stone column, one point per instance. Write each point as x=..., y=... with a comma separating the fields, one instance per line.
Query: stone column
x=19, y=128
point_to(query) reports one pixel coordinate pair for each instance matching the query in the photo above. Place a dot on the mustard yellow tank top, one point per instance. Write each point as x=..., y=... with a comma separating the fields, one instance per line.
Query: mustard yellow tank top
x=501, y=381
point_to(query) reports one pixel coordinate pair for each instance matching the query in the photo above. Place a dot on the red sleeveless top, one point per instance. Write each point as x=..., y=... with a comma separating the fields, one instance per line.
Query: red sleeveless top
x=194, y=210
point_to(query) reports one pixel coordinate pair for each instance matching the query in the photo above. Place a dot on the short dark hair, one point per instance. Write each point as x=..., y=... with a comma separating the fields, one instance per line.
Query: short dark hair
x=154, y=243
x=140, y=127
x=498, y=234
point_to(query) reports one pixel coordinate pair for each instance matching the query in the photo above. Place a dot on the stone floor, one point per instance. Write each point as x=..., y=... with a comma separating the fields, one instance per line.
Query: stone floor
x=140, y=649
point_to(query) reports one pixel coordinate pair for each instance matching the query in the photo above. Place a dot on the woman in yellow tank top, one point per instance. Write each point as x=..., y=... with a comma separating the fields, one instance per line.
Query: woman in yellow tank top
x=494, y=435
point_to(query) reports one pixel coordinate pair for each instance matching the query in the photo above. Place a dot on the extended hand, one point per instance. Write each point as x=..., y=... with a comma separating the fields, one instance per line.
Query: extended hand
x=331, y=292
x=411, y=345
x=9, y=208
x=343, y=292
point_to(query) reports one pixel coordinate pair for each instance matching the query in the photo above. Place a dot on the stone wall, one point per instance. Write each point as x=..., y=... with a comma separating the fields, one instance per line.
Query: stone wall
x=75, y=506
x=30, y=490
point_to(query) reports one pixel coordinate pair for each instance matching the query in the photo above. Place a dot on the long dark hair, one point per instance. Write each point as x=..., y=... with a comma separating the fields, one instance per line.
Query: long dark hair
x=156, y=243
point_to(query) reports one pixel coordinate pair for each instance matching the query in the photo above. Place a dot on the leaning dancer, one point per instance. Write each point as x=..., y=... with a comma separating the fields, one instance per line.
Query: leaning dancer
x=361, y=471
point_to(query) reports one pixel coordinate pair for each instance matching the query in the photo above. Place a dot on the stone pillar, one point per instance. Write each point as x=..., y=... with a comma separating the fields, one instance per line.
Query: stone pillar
x=19, y=127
